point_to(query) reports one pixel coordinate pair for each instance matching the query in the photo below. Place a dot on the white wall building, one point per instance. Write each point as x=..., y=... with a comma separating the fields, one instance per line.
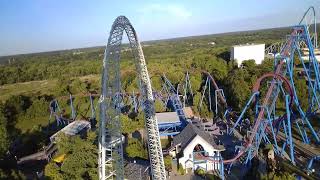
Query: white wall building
x=195, y=149
x=240, y=53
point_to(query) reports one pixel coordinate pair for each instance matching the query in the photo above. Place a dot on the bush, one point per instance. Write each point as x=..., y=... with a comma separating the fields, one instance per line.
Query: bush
x=168, y=163
x=201, y=172
x=136, y=149
x=181, y=170
x=81, y=160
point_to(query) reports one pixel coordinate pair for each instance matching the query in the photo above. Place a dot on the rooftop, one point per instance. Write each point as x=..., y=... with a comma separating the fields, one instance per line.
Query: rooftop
x=73, y=128
x=247, y=44
x=167, y=117
x=191, y=131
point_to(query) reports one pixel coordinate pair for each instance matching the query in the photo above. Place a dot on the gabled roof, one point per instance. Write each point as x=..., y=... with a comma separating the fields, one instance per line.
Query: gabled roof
x=190, y=132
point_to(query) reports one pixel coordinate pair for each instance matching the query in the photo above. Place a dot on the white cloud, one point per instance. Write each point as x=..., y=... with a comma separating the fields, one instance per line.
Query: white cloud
x=169, y=10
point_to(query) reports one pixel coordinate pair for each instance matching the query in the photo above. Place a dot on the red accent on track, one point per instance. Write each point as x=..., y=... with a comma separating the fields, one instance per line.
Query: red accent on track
x=223, y=100
x=278, y=73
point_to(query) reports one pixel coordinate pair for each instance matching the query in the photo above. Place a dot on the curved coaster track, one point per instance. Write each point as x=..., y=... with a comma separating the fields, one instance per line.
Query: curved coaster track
x=110, y=138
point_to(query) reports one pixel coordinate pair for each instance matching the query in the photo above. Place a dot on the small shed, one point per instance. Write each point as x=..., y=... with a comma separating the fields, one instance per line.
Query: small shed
x=167, y=117
x=74, y=128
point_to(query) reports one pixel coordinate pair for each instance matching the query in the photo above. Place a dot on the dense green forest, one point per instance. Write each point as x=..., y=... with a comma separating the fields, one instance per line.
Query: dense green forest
x=53, y=65
x=30, y=82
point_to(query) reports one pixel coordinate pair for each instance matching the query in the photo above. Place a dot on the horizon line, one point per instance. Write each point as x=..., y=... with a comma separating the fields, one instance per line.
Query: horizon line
x=151, y=40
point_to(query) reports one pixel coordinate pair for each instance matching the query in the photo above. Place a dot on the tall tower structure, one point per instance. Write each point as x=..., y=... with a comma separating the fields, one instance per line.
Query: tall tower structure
x=110, y=138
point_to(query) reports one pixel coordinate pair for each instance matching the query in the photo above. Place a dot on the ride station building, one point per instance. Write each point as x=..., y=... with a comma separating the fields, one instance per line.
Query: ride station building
x=194, y=148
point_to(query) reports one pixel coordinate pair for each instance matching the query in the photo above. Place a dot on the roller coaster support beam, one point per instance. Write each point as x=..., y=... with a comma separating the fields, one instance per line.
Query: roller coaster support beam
x=316, y=158
x=110, y=160
x=289, y=129
x=304, y=36
x=221, y=169
x=315, y=41
x=204, y=91
x=216, y=93
x=187, y=86
x=221, y=97
x=174, y=97
x=253, y=96
x=54, y=109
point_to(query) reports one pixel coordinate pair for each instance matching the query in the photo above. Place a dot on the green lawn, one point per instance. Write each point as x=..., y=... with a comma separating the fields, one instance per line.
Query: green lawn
x=27, y=88
x=32, y=124
x=37, y=88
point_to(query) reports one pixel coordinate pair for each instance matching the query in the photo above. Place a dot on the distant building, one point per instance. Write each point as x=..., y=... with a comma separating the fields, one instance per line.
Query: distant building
x=194, y=149
x=240, y=53
x=77, y=52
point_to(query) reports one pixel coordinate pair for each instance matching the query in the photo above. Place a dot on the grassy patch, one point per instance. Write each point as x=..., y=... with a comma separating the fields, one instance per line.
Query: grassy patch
x=27, y=88
x=165, y=143
x=29, y=125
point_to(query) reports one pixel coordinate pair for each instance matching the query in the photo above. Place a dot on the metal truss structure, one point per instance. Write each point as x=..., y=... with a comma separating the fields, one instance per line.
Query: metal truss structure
x=187, y=89
x=274, y=127
x=174, y=99
x=274, y=48
x=57, y=114
x=171, y=98
x=308, y=19
x=219, y=98
x=290, y=132
x=110, y=159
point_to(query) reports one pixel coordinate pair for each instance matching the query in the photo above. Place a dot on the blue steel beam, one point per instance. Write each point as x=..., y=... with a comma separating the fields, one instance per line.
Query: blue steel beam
x=175, y=100
x=289, y=130
x=254, y=95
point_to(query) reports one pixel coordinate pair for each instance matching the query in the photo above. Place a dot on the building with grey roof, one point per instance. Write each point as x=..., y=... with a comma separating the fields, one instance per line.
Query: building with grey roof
x=195, y=148
x=167, y=117
x=74, y=128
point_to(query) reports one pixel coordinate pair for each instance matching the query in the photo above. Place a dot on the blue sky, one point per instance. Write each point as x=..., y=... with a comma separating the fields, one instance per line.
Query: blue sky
x=44, y=25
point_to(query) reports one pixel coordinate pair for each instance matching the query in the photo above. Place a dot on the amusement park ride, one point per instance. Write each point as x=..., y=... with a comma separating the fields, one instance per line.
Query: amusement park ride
x=290, y=132
x=58, y=114
x=110, y=139
x=269, y=127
